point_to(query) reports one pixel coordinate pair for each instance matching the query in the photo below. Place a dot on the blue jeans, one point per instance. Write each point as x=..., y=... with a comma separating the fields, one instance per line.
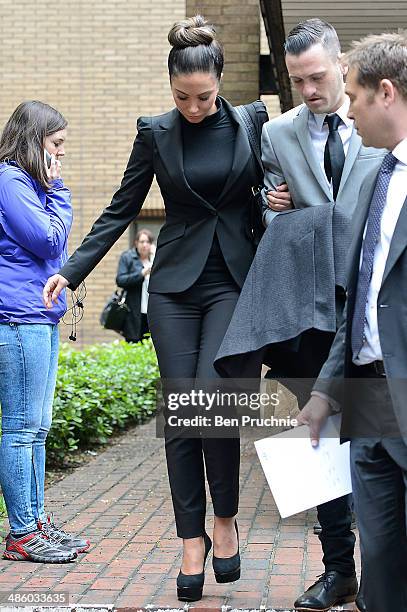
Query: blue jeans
x=28, y=370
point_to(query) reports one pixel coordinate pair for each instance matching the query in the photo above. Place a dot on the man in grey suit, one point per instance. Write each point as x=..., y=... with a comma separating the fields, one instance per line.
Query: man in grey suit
x=293, y=144
x=370, y=348
x=313, y=155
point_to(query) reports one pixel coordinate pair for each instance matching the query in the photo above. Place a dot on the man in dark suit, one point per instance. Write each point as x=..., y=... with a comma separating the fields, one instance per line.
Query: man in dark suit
x=370, y=348
x=316, y=152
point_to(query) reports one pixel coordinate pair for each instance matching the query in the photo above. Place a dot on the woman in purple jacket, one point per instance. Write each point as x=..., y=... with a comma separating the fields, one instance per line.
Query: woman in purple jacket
x=35, y=219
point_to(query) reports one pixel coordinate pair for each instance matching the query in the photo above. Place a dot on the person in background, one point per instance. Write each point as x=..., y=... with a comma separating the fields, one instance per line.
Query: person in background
x=35, y=220
x=133, y=275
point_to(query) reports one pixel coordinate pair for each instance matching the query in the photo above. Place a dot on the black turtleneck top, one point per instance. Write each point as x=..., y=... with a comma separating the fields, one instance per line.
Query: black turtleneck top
x=208, y=149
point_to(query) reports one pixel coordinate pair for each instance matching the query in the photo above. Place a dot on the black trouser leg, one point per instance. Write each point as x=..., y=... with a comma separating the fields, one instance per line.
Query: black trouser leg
x=223, y=480
x=303, y=366
x=187, y=330
x=379, y=479
x=144, y=325
x=337, y=539
x=335, y=517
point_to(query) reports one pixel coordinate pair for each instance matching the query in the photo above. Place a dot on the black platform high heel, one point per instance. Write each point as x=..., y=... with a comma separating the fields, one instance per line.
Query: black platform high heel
x=227, y=570
x=189, y=586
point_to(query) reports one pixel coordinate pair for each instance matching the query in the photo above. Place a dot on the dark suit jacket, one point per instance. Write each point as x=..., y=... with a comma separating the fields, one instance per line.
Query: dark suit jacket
x=191, y=222
x=391, y=313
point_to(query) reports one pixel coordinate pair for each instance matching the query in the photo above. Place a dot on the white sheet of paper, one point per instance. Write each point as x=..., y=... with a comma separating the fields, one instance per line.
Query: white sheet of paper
x=300, y=476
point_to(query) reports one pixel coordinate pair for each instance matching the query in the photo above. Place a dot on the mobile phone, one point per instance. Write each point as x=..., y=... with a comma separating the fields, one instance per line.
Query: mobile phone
x=47, y=159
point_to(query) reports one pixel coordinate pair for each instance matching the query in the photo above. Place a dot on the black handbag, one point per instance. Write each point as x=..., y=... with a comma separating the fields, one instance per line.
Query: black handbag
x=114, y=313
x=253, y=116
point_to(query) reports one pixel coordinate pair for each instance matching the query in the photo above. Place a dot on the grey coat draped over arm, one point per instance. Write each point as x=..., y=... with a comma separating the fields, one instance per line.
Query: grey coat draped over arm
x=291, y=285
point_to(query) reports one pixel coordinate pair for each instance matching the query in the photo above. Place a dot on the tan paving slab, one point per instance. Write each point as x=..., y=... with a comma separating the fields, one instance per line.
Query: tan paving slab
x=120, y=500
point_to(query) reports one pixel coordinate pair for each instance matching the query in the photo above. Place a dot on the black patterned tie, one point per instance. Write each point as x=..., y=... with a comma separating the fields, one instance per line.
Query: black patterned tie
x=369, y=244
x=334, y=155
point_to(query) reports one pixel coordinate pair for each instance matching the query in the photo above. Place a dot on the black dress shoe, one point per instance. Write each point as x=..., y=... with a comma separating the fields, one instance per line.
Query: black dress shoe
x=331, y=589
x=227, y=570
x=189, y=586
x=360, y=603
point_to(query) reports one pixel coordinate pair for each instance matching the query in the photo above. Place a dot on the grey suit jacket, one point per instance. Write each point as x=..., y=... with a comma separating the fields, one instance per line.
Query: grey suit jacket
x=289, y=156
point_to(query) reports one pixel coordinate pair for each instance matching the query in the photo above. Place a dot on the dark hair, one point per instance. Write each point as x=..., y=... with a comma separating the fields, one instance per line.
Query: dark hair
x=23, y=137
x=311, y=32
x=195, y=48
x=380, y=56
x=147, y=233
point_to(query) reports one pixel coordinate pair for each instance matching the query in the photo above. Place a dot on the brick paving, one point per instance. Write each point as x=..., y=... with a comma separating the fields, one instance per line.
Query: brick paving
x=120, y=500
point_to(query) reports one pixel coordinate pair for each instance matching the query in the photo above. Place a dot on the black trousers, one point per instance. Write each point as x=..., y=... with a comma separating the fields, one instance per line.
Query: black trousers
x=379, y=479
x=187, y=329
x=144, y=325
x=302, y=367
x=143, y=329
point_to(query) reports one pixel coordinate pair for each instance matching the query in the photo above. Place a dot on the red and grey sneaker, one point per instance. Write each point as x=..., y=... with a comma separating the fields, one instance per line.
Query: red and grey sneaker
x=61, y=538
x=36, y=547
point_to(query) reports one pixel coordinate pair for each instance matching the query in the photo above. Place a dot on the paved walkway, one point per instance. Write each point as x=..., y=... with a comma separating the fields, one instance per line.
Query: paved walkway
x=121, y=501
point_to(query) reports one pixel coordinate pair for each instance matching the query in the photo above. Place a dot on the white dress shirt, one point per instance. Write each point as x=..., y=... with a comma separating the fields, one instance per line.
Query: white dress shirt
x=396, y=196
x=144, y=286
x=319, y=132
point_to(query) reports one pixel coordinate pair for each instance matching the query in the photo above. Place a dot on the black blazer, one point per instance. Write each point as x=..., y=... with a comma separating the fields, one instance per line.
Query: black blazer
x=391, y=314
x=191, y=222
x=130, y=277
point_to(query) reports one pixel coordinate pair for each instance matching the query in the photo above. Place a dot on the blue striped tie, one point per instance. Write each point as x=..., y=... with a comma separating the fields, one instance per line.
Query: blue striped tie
x=369, y=244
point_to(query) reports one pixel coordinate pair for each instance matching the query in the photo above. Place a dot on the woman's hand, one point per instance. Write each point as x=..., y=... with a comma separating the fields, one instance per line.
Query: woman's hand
x=146, y=271
x=280, y=200
x=53, y=288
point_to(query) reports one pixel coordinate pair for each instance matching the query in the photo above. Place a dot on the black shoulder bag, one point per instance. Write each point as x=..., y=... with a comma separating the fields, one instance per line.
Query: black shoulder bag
x=253, y=116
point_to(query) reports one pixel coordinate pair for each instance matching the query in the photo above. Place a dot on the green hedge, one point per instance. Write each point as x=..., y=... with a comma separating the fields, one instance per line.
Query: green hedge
x=3, y=511
x=3, y=516
x=101, y=389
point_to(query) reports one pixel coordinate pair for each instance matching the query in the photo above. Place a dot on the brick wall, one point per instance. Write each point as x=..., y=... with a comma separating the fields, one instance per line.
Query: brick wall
x=238, y=26
x=102, y=64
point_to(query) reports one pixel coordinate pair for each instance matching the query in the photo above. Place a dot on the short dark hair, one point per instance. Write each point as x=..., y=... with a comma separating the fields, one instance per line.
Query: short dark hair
x=380, y=56
x=312, y=32
x=23, y=137
x=195, y=48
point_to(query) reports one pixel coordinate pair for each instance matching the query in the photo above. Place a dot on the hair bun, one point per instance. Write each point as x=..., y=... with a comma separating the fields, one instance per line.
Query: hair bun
x=191, y=32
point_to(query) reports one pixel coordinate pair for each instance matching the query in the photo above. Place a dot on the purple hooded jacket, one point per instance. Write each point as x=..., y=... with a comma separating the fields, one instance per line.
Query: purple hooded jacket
x=34, y=228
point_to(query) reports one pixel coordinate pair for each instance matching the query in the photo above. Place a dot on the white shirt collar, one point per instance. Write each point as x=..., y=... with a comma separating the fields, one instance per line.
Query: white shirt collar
x=342, y=112
x=400, y=151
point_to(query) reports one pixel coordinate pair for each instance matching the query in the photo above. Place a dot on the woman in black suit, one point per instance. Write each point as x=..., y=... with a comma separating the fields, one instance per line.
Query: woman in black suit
x=133, y=275
x=203, y=163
